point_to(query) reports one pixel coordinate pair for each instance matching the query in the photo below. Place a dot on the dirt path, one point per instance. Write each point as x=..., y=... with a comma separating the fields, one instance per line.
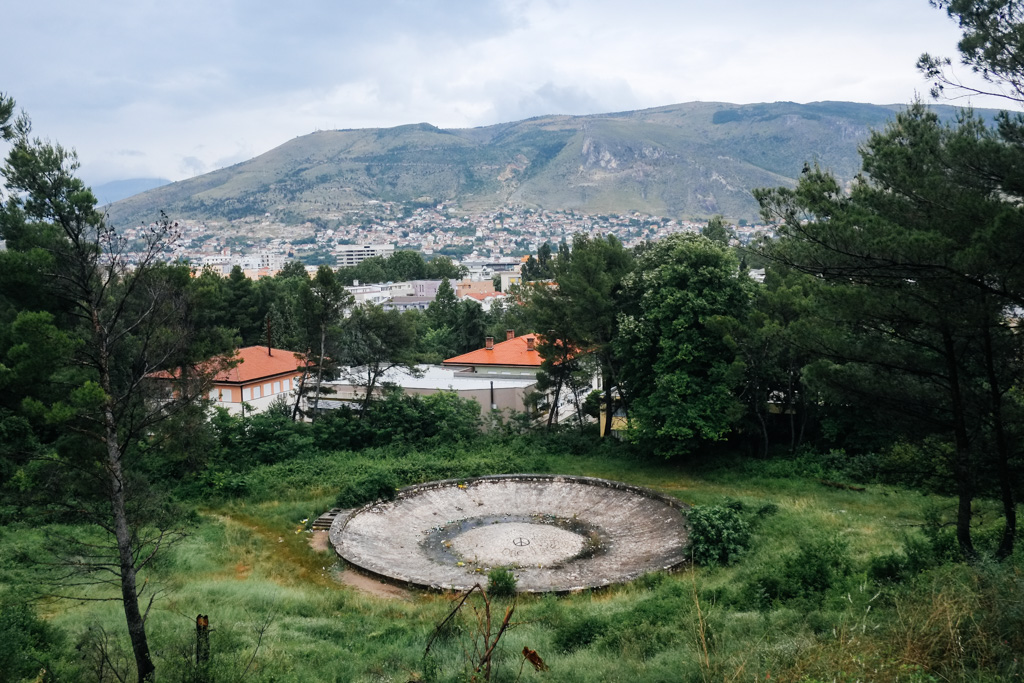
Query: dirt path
x=319, y=541
x=377, y=589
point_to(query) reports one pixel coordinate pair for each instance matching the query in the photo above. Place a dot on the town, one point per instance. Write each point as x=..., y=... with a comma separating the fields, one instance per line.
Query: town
x=262, y=246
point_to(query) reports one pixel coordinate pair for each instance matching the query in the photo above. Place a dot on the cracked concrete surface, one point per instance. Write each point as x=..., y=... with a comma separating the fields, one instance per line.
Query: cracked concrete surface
x=557, y=533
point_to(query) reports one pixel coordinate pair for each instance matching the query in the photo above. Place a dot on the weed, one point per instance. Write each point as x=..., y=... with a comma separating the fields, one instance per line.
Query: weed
x=501, y=582
x=718, y=535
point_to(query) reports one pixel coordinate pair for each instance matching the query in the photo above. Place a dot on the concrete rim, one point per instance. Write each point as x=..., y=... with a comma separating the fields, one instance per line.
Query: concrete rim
x=641, y=530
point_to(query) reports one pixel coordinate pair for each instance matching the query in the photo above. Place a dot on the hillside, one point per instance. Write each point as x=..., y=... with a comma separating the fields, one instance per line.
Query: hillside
x=685, y=160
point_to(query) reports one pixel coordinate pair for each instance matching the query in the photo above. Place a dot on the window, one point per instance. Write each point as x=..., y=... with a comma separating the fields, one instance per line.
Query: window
x=277, y=387
x=246, y=394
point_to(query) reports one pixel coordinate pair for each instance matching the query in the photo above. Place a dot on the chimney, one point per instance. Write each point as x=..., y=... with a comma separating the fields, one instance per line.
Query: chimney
x=489, y=341
x=510, y=334
x=529, y=344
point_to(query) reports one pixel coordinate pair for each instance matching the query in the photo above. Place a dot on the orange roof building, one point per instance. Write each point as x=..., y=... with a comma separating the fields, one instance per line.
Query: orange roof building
x=261, y=375
x=517, y=358
x=515, y=355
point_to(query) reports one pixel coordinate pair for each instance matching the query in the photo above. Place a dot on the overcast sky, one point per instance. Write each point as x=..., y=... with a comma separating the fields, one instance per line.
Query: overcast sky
x=146, y=88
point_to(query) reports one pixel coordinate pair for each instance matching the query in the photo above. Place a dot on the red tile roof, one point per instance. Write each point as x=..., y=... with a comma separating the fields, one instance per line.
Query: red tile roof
x=256, y=363
x=481, y=296
x=511, y=352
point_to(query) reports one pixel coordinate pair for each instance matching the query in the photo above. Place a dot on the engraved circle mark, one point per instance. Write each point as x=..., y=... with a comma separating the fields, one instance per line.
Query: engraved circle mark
x=520, y=542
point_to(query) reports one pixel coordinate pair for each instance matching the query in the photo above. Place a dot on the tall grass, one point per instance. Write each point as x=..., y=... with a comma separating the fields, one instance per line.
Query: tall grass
x=278, y=611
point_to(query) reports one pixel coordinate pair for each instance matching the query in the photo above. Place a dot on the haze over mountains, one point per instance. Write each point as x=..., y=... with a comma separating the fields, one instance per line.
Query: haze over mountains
x=117, y=190
x=689, y=160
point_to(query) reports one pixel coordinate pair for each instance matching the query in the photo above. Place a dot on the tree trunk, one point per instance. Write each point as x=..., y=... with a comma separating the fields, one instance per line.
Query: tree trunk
x=125, y=545
x=764, y=432
x=1006, y=483
x=554, y=403
x=608, y=404
x=962, y=460
x=119, y=513
x=319, y=372
x=301, y=390
x=202, y=649
x=373, y=373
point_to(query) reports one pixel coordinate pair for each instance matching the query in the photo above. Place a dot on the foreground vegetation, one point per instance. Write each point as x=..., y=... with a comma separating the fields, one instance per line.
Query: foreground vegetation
x=842, y=580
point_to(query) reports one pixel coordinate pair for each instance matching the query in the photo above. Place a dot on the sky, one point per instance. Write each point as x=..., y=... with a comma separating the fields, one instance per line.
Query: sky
x=147, y=88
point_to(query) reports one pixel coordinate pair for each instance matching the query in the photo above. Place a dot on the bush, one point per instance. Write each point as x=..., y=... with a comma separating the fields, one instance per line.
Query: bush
x=444, y=416
x=919, y=554
x=718, y=535
x=820, y=564
x=501, y=582
x=579, y=633
x=26, y=642
x=376, y=484
x=889, y=568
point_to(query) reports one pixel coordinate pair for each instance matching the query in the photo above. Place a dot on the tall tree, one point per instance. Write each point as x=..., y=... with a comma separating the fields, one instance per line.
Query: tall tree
x=373, y=341
x=538, y=268
x=717, y=231
x=321, y=303
x=125, y=316
x=442, y=310
x=443, y=267
x=406, y=265
x=680, y=374
x=919, y=267
x=582, y=311
x=768, y=342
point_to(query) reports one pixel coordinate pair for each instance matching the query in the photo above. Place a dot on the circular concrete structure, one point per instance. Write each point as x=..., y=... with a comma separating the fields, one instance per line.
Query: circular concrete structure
x=557, y=533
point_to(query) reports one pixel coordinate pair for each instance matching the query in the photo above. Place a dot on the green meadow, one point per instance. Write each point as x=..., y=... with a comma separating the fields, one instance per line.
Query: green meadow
x=841, y=580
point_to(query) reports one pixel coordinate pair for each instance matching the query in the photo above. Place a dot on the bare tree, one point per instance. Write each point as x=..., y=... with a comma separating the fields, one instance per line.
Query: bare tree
x=127, y=317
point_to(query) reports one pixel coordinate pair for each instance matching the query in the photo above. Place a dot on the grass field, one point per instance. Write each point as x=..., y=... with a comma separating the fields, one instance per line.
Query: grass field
x=280, y=611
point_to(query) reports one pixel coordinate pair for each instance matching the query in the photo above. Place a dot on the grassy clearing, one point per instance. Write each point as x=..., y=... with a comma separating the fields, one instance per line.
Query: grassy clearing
x=248, y=565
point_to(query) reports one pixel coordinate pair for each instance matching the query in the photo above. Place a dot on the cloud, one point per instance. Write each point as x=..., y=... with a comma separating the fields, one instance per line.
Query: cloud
x=193, y=165
x=192, y=85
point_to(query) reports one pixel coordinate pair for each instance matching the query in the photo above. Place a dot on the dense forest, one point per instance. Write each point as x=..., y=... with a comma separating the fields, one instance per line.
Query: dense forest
x=848, y=431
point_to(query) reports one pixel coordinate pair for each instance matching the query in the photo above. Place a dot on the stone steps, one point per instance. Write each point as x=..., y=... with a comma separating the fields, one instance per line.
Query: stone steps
x=324, y=521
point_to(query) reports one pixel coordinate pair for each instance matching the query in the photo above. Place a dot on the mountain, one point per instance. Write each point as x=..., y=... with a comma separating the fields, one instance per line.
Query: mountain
x=687, y=160
x=108, y=193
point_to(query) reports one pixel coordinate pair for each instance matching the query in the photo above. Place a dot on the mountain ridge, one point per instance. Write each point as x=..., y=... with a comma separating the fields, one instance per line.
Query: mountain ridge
x=687, y=160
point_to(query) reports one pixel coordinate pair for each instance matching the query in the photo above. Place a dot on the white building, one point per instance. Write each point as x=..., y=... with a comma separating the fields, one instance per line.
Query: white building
x=349, y=255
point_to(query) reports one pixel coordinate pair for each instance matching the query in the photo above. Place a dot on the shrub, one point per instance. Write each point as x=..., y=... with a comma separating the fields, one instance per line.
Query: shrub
x=376, y=484
x=819, y=565
x=26, y=642
x=919, y=554
x=579, y=633
x=718, y=535
x=889, y=568
x=501, y=582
